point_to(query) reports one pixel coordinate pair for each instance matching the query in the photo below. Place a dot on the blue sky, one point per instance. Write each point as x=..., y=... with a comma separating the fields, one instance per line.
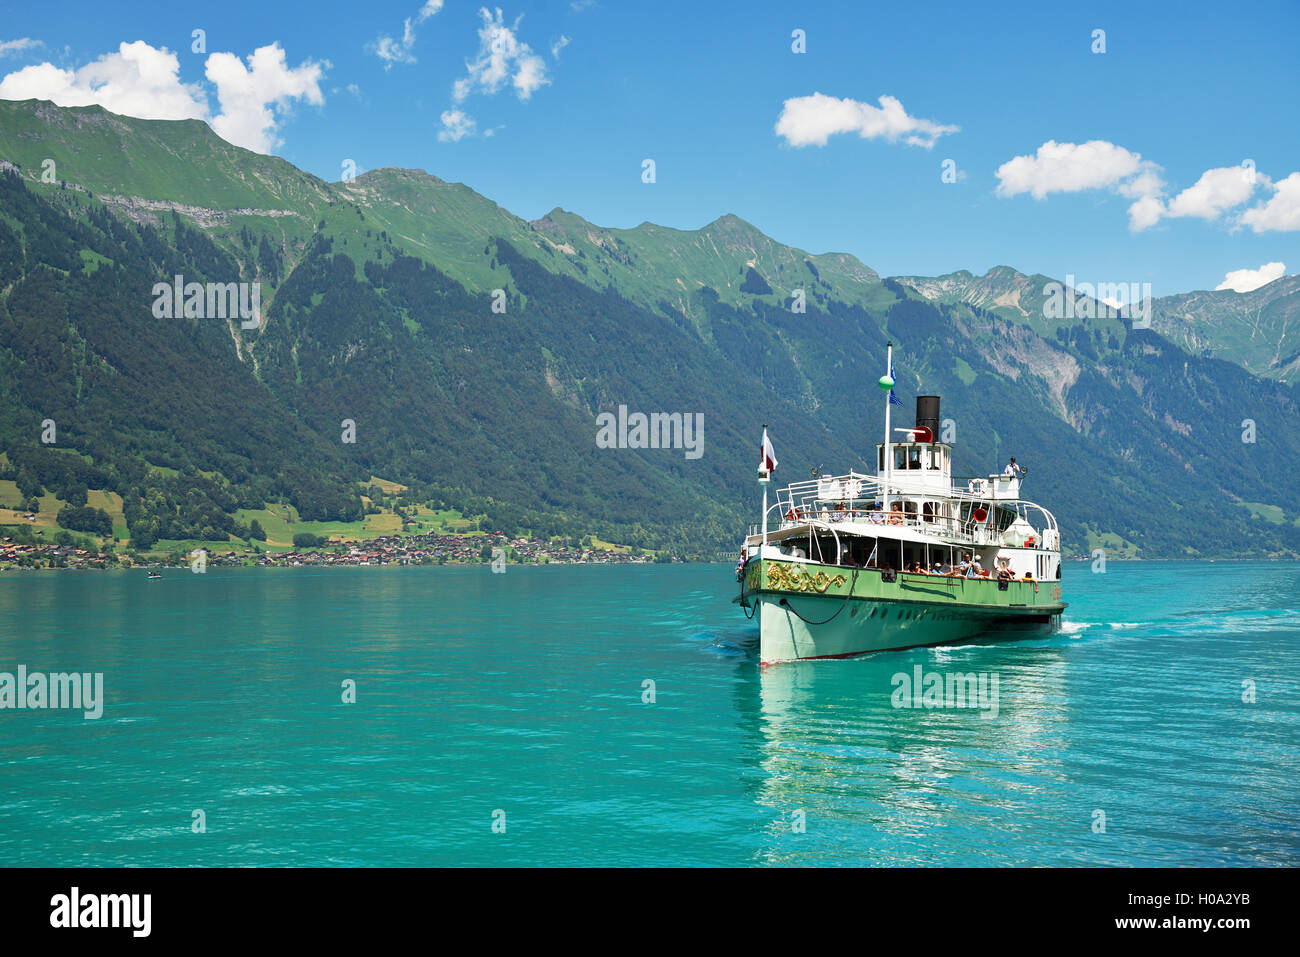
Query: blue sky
x=1184, y=93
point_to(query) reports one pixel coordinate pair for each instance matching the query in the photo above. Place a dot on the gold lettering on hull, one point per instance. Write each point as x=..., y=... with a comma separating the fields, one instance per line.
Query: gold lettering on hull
x=779, y=576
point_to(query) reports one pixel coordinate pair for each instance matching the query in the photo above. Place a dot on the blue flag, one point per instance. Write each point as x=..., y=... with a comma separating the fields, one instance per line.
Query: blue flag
x=893, y=399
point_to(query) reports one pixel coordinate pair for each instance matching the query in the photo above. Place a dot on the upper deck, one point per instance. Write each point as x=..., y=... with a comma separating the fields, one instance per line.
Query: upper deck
x=924, y=504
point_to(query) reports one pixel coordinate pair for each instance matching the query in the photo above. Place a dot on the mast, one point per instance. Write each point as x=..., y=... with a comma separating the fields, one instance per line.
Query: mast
x=886, y=384
x=763, y=479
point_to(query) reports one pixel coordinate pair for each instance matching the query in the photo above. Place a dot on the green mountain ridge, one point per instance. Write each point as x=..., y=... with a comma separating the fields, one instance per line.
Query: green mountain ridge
x=377, y=308
x=1259, y=330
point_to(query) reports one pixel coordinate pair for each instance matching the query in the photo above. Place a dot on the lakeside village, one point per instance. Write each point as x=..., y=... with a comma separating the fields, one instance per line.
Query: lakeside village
x=421, y=549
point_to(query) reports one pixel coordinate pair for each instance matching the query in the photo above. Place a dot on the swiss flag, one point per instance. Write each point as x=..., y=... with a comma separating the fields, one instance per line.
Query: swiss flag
x=767, y=455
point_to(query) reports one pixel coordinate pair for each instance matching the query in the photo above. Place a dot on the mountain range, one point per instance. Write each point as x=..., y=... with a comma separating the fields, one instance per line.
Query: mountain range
x=414, y=332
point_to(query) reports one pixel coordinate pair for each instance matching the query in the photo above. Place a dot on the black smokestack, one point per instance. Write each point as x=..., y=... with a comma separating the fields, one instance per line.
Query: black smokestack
x=927, y=414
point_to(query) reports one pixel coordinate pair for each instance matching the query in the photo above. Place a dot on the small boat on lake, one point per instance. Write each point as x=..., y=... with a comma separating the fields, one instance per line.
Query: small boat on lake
x=844, y=565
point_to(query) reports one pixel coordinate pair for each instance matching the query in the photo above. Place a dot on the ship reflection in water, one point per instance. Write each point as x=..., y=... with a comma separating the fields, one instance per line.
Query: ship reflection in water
x=900, y=771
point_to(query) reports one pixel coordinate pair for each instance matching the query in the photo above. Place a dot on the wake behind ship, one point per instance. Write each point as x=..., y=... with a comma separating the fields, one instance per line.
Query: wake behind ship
x=860, y=563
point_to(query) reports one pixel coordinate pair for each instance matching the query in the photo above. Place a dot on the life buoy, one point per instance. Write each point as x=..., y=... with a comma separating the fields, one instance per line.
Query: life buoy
x=980, y=514
x=793, y=515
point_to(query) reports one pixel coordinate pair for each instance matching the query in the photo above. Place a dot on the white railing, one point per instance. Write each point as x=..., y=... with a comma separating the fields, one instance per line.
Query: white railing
x=853, y=499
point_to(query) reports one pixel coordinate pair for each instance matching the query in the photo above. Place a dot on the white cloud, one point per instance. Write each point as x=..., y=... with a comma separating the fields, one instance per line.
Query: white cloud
x=399, y=51
x=1246, y=280
x=1145, y=213
x=502, y=57
x=395, y=51
x=1096, y=164
x=1072, y=167
x=1145, y=184
x=455, y=126
x=530, y=76
x=143, y=81
x=1282, y=211
x=1217, y=191
x=559, y=45
x=18, y=46
x=138, y=80
x=811, y=120
x=1069, y=168
x=252, y=96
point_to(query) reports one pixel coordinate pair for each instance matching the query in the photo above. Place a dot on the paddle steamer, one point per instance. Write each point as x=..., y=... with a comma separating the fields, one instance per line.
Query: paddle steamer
x=827, y=575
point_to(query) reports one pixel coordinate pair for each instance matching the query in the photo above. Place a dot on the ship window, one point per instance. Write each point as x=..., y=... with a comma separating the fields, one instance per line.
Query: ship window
x=900, y=458
x=927, y=511
x=914, y=458
x=936, y=458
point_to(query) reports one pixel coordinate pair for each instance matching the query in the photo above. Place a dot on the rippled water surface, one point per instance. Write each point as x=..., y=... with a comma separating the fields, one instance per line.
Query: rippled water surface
x=523, y=693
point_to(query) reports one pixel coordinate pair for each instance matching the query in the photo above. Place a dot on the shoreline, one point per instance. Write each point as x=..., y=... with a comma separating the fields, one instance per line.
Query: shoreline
x=431, y=548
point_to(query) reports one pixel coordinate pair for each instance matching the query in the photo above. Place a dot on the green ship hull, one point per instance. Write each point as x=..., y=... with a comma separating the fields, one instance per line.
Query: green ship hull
x=810, y=610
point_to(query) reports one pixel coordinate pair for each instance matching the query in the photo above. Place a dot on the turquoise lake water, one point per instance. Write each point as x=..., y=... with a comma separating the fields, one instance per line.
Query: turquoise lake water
x=522, y=693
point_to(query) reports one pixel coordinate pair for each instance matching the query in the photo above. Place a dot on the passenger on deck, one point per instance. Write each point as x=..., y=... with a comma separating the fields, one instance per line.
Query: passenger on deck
x=1004, y=573
x=896, y=514
x=877, y=514
x=973, y=569
x=961, y=568
x=937, y=569
x=1029, y=576
x=1012, y=468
